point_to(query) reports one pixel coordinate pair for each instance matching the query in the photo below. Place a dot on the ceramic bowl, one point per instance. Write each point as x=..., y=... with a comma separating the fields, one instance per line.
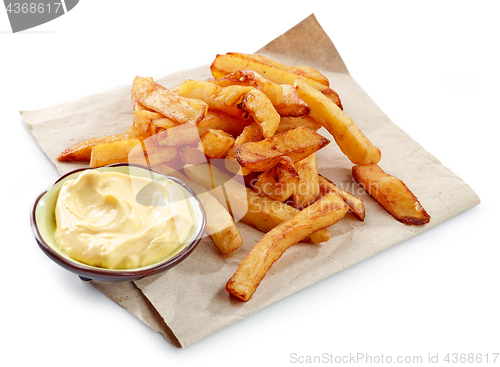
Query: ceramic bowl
x=43, y=224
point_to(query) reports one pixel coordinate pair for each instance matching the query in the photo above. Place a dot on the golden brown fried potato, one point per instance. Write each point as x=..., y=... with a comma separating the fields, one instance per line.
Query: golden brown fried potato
x=278, y=182
x=252, y=269
x=296, y=144
x=307, y=189
x=157, y=98
x=263, y=112
x=290, y=123
x=251, y=78
x=235, y=100
x=141, y=129
x=251, y=133
x=218, y=120
x=355, y=204
x=348, y=136
x=391, y=193
x=140, y=107
x=192, y=155
x=216, y=143
x=141, y=126
x=112, y=152
x=155, y=157
x=299, y=70
x=231, y=62
x=220, y=225
x=178, y=136
x=82, y=151
x=164, y=123
x=257, y=211
x=291, y=104
x=225, y=99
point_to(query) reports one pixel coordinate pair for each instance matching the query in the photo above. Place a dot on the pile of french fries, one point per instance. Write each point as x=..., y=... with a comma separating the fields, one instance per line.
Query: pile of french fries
x=246, y=142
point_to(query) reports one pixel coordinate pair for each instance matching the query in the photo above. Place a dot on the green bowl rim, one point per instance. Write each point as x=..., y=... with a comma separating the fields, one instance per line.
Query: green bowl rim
x=89, y=273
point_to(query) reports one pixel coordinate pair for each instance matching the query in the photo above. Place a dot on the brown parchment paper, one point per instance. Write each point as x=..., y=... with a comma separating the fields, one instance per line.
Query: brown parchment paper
x=189, y=301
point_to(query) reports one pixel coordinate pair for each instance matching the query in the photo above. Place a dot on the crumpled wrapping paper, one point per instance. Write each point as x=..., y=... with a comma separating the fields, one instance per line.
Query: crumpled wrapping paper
x=189, y=302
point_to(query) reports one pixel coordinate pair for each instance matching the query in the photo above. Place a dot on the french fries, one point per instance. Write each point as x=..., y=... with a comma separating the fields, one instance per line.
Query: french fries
x=251, y=78
x=290, y=123
x=153, y=157
x=246, y=142
x=218, y=120
x=216, y=143
x=307, y=188
x=231, y=62
x=279, y=182
x=299, y=70
x=252, y=269
x=391, y=193
x=178, y=136
x=291, y=104
x=251, y=133
x=351, y=140
x=235, y=100
x=355, y=204
x=157, y=98
x=296, y=144
x=257, y=211
x=82, y=151
x=112, y=152
x=141, y=126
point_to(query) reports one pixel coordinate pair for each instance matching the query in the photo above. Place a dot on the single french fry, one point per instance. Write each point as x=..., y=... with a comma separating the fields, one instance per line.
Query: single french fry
x=290, y=123
x=82, y=151
x=142, y=120
x=391, y=193
x=296, y=144
x=350, y=139
x=250, y=133
x=252, y=269
x=156, y=157
x=263, y=112
x=112, y=152
x=356, y=205
x=140, y=107
x=164, y=123
x=307, y=188
x=171, y=105
x=216, y=143
x=279, y=182
x=291, y=104
x=178, y=136
x=299, y=70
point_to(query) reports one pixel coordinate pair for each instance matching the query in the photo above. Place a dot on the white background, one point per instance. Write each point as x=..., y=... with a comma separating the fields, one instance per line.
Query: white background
x=432, y=67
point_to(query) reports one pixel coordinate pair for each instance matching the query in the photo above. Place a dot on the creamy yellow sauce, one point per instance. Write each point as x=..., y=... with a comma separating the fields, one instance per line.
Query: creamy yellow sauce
x=100, y=222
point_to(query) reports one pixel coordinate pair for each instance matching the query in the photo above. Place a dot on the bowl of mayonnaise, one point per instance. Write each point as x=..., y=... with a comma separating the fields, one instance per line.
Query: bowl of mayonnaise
x=118, y=222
